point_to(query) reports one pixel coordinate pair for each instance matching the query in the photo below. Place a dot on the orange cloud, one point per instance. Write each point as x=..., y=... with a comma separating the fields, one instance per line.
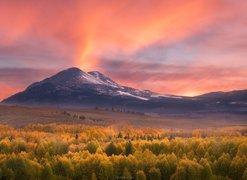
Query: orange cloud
x=179, y=80
x=93, y=28
x=57, y=34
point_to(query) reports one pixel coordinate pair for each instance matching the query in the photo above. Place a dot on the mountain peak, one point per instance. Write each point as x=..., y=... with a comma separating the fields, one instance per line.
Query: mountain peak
x=71, y=77
x=71, y=71
x=95, y=72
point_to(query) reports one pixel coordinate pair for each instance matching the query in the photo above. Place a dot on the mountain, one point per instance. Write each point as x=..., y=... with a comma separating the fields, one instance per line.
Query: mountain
x=76, y=88
x=230, y=97
x=229, y=101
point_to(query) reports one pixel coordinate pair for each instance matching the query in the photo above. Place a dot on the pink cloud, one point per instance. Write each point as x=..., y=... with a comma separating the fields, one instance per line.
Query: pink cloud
x=57, y=34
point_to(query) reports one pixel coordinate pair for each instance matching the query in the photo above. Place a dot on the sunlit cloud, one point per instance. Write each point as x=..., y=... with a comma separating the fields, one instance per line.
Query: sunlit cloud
x=210, y=34
x=176, y=79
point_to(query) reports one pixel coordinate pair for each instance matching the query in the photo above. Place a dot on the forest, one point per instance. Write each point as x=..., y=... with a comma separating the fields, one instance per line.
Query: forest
x=52, y=151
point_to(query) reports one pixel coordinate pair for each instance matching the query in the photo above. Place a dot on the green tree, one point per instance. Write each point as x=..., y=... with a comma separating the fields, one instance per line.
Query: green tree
x=120, y=135
x=112, y=149
x=128, y=148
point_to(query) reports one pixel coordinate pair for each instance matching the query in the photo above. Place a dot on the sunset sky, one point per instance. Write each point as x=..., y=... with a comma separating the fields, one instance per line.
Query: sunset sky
x=182, y=47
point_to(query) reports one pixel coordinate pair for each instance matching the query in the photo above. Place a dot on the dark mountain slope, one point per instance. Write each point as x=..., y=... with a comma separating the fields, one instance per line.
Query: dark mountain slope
x=74, y=87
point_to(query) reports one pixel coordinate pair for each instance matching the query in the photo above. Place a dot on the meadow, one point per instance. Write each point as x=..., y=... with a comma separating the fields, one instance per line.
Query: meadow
x=52, y=151
x=19, y=117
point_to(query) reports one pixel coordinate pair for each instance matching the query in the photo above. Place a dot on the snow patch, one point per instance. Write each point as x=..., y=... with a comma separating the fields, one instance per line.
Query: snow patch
x=90, y=78
x=102, y=79
x=128, y=94
x=167, y=96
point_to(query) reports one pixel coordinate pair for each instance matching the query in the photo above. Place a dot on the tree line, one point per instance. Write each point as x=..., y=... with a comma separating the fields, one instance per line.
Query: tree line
x=94, y=152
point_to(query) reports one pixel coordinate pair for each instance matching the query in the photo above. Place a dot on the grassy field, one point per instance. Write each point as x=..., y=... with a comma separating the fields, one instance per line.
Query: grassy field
x=21, y=116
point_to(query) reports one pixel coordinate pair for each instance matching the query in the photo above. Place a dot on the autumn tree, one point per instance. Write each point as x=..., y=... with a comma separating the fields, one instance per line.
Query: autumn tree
x=63, y=167
x=127, y=174
x=187, y=169
x=237, y=167
x=244, y=177
x=154, y=174
x=105, y=170
x=140, y=175
x=206, y=171
x=47, y=172
x=222, y=165
x=92, y=147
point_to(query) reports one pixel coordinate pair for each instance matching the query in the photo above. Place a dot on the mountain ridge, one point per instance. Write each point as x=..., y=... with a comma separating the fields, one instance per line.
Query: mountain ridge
x=74, y=87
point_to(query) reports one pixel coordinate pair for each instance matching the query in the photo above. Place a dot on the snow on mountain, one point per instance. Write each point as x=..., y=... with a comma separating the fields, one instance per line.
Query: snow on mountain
x=92, y=80
x=166, y=96
x=121, y=90
x=103, y=79
x=131, y=95
x=72, y=77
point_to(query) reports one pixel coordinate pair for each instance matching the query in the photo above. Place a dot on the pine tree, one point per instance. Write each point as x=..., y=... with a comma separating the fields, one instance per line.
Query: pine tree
x=111, y=149
x=128, y=148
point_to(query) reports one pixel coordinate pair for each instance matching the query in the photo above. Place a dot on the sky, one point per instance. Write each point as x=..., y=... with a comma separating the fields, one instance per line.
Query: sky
x=181, y=47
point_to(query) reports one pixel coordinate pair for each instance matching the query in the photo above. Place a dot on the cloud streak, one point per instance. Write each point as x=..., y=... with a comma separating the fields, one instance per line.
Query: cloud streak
x=176, y=79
